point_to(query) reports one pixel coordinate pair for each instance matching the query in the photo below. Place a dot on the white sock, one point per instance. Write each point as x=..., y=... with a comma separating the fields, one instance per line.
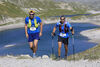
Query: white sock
x=34, y=53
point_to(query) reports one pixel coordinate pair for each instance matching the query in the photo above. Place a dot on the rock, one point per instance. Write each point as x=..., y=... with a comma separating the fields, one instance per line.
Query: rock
x=45, y=57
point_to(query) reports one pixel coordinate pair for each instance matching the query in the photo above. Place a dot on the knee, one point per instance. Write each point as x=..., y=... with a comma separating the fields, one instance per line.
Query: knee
x=59, y=47
x=31, y=47
x=66, y=46
x=35, y=46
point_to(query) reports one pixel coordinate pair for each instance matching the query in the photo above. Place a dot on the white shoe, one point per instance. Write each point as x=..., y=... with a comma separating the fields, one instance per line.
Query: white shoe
x=34, y=56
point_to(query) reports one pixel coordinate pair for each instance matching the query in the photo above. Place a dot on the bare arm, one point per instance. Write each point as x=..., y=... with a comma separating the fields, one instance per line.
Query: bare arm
x=41, y=28
x=72, y=30
x=26, y=30
x=53, y=32
x=54, y=29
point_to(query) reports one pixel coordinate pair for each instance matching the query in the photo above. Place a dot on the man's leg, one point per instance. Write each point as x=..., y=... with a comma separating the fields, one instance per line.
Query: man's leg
x=35, y=45
x=59, y=48
x=31, y=46
x=66, y=49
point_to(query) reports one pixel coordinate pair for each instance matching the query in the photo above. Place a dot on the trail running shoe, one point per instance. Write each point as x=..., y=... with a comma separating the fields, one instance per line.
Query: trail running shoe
x=59, y=58
x=34, y=56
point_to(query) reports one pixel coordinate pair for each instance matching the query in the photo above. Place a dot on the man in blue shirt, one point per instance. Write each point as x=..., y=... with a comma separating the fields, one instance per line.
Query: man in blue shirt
x=63, y=34
x=31, y=30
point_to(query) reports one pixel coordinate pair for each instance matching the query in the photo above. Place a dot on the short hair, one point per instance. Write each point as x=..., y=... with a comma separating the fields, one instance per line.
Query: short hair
x=62, y=16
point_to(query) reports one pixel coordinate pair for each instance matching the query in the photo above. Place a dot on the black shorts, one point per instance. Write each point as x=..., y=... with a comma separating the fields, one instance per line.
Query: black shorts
x=63, y=40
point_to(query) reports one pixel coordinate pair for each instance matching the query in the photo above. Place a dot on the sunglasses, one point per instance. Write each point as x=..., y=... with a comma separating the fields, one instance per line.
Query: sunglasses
x=62, y=19
x=31, y=14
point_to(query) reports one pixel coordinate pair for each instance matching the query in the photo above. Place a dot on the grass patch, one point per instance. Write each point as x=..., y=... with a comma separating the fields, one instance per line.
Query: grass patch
x=11, y=10
x=79, y=8
x=57, y=12
x=45, y=4
x=0, y=17
x=93, y=15
x=50, y=8
x=91, y=54
x=53, y=56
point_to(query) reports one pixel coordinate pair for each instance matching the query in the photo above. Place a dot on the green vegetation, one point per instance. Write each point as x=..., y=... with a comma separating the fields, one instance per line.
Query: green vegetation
x=45, y=4
x=58, y=12
x=91, y=54
x=55, y=12
x=79, y=8
x=53, y=56
x=0, y=17
x=11, y=10
x=93, y=15
x=49, y=8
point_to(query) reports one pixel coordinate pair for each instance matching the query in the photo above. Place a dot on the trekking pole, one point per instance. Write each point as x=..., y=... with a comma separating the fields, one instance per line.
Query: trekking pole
x=52, y=46
x=73, y=47
x=53, y=43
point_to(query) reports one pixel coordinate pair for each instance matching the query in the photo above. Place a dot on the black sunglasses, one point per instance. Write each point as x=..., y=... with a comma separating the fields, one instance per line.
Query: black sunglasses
x=31, y=14
x=62, y=19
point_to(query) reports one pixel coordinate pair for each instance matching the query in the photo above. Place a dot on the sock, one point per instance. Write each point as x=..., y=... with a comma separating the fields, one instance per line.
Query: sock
x=33, y=53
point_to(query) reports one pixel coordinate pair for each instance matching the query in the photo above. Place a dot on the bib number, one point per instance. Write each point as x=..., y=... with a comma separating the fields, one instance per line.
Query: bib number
x=32, y=28
x=62, y=34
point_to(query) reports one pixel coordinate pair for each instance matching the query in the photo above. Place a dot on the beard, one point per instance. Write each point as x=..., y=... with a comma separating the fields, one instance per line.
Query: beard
x=31, y=17
x=61, y=22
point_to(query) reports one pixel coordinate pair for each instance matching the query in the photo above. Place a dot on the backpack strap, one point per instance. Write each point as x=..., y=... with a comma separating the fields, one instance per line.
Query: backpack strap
x=35, y=23
x=66, y=28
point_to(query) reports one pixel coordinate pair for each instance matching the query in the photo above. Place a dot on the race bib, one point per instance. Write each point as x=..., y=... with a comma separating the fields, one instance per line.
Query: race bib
x=32, y=28
x=62, y=34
